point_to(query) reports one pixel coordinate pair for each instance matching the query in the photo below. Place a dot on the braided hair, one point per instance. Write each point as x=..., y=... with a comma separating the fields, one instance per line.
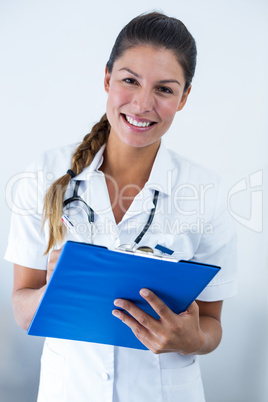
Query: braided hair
x=81, y=158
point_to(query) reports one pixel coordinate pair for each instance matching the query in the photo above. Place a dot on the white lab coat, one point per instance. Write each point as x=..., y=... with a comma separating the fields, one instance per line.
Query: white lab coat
x=191, y=218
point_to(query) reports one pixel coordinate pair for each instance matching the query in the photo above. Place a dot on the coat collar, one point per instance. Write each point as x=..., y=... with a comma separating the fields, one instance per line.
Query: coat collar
x=93, y=167
x=160, y=177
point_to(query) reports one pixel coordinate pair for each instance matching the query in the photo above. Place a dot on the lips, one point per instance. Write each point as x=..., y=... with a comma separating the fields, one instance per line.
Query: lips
x=138, y=122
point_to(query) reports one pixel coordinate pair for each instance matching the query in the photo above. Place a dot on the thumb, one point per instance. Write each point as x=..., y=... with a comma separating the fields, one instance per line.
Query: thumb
x=192, y=309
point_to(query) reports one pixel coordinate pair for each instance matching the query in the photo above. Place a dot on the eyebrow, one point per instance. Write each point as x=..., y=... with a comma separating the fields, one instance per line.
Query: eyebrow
x=139, y=76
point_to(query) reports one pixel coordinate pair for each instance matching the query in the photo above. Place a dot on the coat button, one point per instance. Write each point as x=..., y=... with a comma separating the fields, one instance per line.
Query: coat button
x=105, y=376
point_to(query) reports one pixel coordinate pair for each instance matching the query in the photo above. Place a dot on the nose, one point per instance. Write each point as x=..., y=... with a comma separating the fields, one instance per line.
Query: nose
x=143, y=100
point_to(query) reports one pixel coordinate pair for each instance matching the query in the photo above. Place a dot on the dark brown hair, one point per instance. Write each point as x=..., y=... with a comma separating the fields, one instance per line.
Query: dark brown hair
x=158, y=30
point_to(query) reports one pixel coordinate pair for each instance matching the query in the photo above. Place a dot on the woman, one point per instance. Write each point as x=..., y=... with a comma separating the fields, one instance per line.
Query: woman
x=117, y=170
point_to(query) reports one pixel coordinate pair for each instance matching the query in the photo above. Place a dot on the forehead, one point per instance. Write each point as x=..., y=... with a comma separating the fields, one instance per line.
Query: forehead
x=146, y=58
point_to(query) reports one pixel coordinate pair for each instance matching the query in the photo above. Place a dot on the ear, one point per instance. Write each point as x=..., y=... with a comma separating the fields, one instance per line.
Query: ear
x=107, y=78
x=184, y=99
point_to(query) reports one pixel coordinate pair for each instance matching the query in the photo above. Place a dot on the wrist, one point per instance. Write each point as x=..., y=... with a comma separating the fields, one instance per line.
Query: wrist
x=210, y=335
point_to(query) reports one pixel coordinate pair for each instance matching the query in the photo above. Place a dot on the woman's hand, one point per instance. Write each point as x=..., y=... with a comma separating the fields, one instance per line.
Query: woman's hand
x=53, y=258
x=183, y=333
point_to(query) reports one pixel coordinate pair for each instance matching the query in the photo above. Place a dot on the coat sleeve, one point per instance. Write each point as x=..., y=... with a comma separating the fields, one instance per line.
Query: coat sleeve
x=218, y=246
x=25, y=195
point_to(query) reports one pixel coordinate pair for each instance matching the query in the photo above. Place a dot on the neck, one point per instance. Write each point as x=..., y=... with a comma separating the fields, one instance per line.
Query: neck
x=129, y=165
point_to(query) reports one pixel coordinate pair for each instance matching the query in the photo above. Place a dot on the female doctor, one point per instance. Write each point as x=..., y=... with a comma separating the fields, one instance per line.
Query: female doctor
x=123, y=172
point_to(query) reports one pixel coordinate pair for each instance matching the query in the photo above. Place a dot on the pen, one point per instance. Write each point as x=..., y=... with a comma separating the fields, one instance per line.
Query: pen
x=69, y=225
x=65, y=219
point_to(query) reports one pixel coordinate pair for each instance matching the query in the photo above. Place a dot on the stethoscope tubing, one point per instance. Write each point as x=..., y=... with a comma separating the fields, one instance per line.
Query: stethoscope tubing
x=90, y=211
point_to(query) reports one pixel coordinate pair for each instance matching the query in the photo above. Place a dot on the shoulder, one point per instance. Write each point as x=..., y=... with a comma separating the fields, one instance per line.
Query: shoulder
x=194, y=187
x=33, y=181
x=189, y=171
x=54, y=162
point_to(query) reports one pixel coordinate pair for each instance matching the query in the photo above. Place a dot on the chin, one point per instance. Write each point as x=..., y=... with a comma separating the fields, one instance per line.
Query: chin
x=139, y=143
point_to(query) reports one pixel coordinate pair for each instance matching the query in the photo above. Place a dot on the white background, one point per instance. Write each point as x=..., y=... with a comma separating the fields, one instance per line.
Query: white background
x=52, y=60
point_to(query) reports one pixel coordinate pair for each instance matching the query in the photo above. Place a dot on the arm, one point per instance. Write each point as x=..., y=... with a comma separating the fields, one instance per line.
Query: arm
x=28, y=288
x=195, y=331
x=210, y=324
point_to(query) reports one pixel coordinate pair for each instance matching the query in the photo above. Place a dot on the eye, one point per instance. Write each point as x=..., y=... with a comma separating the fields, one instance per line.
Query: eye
x=130, y=81
x=166, y=90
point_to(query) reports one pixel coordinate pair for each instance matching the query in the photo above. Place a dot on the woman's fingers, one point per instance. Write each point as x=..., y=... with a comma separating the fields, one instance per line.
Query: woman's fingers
x=157, y=304
x=137, y=313
x=53, y=258
x=145, y=335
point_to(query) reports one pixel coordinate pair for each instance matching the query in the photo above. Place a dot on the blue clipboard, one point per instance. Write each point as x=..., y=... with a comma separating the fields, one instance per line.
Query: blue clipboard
x=78, y=300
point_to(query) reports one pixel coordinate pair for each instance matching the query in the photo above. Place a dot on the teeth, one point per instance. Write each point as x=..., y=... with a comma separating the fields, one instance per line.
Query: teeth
x=135, y=123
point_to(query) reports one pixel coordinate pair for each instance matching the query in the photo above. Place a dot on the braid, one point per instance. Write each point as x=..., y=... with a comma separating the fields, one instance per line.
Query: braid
x=91, y=144
x=81, y=158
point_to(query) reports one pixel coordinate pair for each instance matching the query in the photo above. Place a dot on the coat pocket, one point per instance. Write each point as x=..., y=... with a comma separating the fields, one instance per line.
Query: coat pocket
x=182, y=384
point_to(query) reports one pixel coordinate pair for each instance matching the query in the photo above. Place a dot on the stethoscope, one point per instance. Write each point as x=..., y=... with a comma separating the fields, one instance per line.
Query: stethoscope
x=90, y=215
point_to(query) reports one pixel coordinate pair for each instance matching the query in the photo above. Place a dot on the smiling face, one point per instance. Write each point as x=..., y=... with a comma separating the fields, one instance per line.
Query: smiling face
x=145, y=90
